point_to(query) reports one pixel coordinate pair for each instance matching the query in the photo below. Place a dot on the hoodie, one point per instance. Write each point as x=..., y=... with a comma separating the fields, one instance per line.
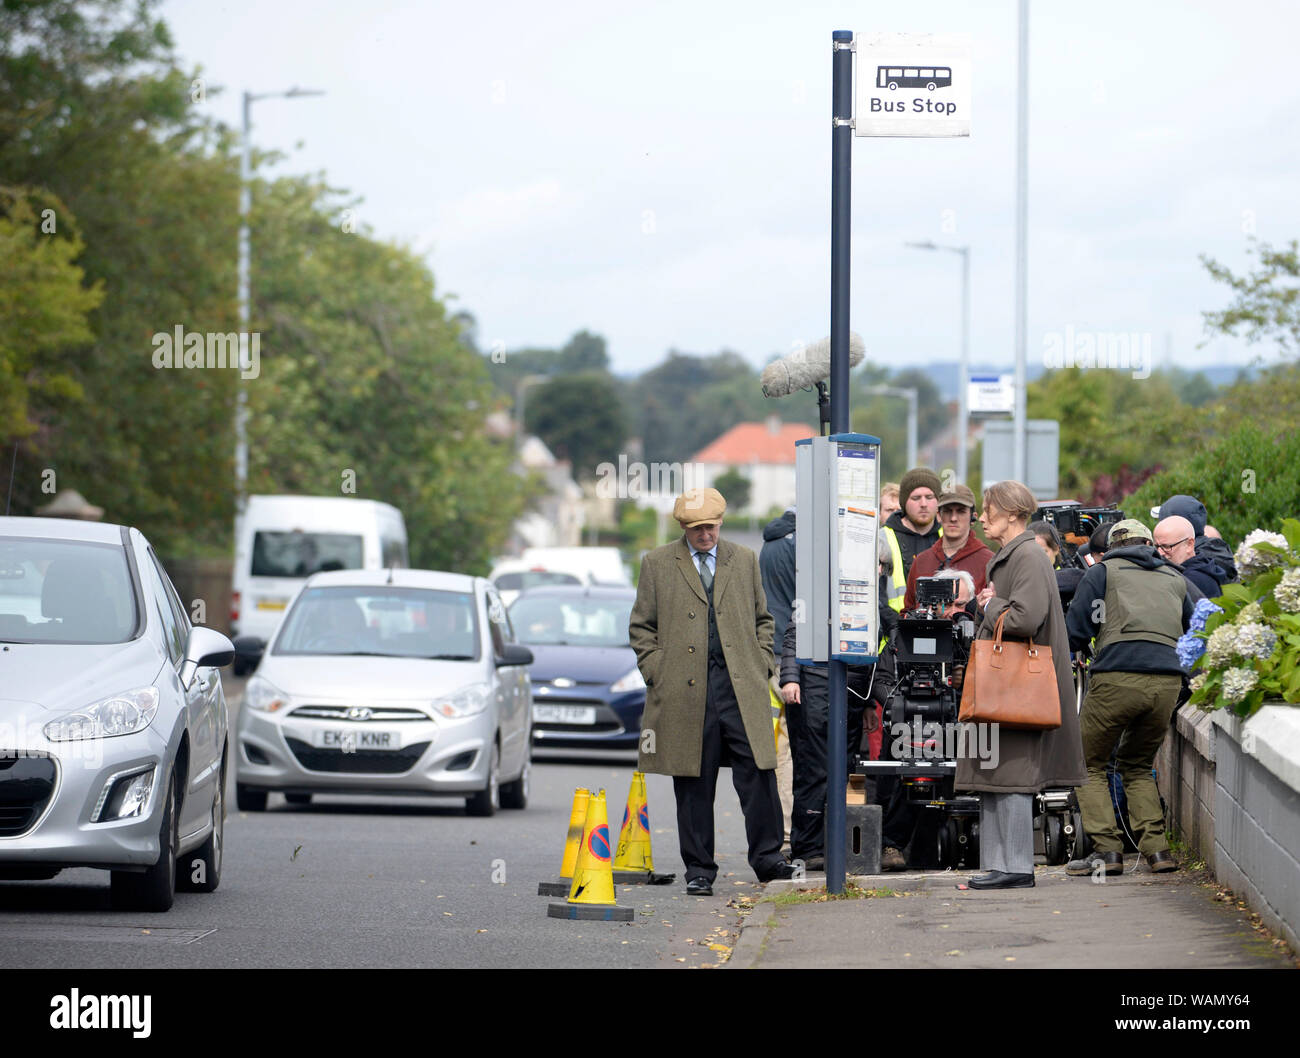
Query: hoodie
x=1132, y=656
x=1193, y=510
x=1206, y=573
x=910, y=542
x=776, y=567
x=972, y=556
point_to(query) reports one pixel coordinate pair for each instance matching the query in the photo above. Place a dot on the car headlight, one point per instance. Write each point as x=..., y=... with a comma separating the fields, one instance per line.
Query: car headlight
x=263, y=695
x=633, y=681
x=121, y=714
x=468, y=701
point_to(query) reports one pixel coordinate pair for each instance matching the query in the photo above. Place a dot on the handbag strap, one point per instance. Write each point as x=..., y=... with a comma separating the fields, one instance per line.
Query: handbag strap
x=997, y=637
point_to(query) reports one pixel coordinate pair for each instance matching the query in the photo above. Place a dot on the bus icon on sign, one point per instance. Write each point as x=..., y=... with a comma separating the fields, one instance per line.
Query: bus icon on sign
x=930, y=77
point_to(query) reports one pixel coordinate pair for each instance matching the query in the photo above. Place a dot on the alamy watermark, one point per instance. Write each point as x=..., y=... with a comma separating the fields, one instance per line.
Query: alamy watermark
x=633, y=480
x=945, y=741
x=1114, y=350
x=209, y=349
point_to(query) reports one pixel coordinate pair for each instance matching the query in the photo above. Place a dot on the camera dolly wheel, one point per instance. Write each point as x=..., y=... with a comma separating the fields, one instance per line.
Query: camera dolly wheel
x=1054, y=841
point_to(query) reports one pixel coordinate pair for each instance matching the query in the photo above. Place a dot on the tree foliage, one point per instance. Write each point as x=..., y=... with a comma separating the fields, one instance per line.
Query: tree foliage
x=580, y=417
x=1267, y=301
x=366, y=383
x=1248, y=478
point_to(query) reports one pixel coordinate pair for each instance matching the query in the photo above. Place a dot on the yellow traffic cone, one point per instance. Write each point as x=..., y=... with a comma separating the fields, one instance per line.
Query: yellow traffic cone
x=572, y=841
x=634, y=861
x=592, y=895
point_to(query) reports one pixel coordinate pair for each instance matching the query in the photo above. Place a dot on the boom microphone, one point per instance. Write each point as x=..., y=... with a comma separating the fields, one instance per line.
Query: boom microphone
x=806, y=367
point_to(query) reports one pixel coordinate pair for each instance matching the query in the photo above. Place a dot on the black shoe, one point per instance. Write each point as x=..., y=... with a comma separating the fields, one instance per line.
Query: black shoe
x=1001, y=880
x=782, y=870
x=699, y=887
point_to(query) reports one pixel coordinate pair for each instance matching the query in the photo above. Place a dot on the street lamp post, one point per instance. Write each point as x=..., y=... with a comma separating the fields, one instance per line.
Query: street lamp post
x=245, y=204
x=910, y=395
x=963, y=412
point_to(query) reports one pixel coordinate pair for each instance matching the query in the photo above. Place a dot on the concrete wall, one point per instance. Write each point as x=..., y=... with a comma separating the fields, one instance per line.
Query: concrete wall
x=1185, y=775
x=1233, y=792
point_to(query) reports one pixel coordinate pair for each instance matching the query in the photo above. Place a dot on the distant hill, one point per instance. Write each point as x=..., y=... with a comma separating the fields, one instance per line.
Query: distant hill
x=945, y=373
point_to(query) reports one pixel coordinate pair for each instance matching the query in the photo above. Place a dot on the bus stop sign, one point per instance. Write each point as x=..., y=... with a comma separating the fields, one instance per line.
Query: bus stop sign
x=912, y=84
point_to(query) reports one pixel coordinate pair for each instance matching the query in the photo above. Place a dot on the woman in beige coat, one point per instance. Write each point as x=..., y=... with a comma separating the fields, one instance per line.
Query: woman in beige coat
x=1021, y=585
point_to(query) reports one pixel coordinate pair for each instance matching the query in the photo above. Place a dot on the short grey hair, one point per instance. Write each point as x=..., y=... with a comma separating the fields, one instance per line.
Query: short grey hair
x=958, y=574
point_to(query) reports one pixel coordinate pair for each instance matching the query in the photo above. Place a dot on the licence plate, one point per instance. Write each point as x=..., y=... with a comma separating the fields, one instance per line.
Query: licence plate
x=272, y=604
x=564, y=714
x=350, y=740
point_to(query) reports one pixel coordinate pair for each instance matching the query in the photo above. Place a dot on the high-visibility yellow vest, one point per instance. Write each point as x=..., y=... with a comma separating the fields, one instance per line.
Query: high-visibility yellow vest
x=897, y=582
x=897, y=578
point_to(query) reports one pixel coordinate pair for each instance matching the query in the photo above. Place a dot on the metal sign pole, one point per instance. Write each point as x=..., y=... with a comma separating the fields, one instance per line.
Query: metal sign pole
x=841, y=200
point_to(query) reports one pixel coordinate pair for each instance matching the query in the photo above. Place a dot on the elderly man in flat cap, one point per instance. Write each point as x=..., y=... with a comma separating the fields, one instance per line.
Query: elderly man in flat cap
x=703, y=640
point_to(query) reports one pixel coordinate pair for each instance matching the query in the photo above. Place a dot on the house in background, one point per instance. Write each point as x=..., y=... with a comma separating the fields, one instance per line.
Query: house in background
x=764, y=453
x=559, y=516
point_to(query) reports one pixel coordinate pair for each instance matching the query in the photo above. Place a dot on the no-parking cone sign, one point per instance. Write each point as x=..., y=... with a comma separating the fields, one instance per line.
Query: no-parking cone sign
x=592, y=895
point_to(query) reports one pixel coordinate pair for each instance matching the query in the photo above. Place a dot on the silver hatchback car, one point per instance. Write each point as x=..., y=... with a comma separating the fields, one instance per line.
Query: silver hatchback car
x=112, y=718
x=390, y=682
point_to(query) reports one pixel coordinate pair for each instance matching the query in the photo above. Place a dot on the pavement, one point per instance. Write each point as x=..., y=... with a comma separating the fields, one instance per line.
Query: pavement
x=1137, y=920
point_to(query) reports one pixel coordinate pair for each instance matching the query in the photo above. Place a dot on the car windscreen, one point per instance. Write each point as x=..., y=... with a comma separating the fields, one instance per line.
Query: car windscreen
x=533, y=578
x=383, y=622
x=65, y=591
x=575, y=621
x=299, y=554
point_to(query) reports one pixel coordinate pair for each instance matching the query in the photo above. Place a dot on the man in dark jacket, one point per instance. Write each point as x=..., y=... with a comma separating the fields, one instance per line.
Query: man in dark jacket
x=806, y=693
x=1136, y=605
x=1208, y=547
x=1175, y=539
x=912, y=528
x=776, y=566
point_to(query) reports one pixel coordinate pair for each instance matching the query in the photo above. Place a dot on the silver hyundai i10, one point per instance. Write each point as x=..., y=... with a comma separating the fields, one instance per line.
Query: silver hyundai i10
x=396, y=681
x=113, y=726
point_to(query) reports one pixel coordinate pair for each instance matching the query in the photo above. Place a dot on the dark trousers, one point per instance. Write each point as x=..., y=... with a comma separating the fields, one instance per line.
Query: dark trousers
x=725, y=742
x=809, y=722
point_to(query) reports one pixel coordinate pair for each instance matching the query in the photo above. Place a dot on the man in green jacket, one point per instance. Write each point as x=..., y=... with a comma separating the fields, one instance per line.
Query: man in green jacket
x=703, y=640
x=1135, y=604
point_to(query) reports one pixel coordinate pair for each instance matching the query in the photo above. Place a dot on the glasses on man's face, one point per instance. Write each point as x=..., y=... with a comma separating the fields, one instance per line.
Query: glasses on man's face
x=1166, y=548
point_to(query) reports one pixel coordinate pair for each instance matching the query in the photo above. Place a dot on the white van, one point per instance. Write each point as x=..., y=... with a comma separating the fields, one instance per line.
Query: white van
x=283, y=540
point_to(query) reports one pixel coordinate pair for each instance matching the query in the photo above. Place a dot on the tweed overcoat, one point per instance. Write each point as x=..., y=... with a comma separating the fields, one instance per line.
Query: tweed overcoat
x=669, y=630
x=1024, y=587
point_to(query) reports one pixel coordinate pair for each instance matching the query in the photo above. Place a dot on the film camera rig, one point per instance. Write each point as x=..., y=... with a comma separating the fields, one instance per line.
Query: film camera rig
x=920, y=738
x=1075, y=523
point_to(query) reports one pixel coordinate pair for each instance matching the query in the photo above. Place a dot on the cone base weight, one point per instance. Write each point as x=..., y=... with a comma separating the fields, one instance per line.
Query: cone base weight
x=560, y=888
x=631, y=877
x=590, y=912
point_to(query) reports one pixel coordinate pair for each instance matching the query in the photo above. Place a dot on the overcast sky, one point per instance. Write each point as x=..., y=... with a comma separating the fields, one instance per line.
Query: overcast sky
x=662, y=177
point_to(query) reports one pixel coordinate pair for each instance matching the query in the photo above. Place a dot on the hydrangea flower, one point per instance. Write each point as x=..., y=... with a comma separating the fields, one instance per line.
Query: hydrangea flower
x=1251, y=613
x=1204, y=607
x=1287, y=593
x=1198, y=681
x=1190, y=646
x=1250, y=560
x=1237, y=683
x=1255, y=640
x=1221, y=646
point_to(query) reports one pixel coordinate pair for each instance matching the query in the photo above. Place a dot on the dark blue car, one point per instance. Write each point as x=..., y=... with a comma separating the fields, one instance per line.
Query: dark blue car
x=587, y=690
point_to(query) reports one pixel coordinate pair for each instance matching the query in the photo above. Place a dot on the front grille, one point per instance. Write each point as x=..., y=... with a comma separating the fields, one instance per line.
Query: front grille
x=26, y=786
x=360, y=762
x=378, y=714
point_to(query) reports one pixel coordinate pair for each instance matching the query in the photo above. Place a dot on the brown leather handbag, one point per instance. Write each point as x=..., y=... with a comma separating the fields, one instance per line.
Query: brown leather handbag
x=1011, y=684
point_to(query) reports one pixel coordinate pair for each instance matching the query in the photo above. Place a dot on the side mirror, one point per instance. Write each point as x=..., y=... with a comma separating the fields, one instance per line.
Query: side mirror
x=515, y=654
x=248, y=653
x=205, y=648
